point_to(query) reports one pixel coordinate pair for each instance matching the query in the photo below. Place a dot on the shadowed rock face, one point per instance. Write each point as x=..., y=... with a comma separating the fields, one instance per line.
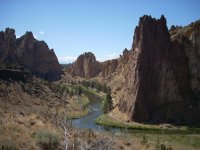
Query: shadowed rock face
x=29, y=53
x=158, y=83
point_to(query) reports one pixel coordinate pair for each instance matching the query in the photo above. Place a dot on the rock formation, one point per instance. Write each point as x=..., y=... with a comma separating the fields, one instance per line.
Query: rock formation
x=29, y=53
x=85, y=66
x=161, y=83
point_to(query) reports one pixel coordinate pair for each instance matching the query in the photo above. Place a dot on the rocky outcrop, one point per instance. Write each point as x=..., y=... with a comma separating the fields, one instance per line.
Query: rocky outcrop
x=8, y=46
x=109, y=67
x=29, y=53
x=161, y=79
x=85, y=66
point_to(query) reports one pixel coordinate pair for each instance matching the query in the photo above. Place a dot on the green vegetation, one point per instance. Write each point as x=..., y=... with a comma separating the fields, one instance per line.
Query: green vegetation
x=107, y=103
x=80, y=97
x=8, y=144
x=83, y=87
x=71, y=90
x=80, y=104
x=96, y=85
x=48, y=140
x=106, y=120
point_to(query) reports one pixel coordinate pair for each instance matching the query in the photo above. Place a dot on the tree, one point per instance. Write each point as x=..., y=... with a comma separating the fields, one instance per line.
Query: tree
x=107, y=104
x=79, y=90
x=99, y=87
x=104, y=88
x=172, y=28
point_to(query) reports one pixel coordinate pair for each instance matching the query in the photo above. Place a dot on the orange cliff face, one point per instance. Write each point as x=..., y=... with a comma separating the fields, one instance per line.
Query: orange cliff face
x=29, y=53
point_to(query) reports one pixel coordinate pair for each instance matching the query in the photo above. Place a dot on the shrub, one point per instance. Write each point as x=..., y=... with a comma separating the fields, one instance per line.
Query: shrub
x=8, y=144
x=144, y=139
x=47, y=139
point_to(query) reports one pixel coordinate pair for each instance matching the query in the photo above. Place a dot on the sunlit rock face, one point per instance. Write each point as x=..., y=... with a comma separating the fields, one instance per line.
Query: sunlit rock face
x=85, y=66
x=162, y=79
x=29, y=53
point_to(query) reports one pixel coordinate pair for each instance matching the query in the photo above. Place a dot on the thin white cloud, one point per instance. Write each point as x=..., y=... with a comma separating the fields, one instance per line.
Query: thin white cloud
x=67, y=59
x=108, y=57
x=112, y=56
x=18, y=36
x=41, y=32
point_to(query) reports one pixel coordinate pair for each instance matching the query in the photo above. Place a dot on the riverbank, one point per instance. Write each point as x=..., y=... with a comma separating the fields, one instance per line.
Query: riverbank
x=109, y=121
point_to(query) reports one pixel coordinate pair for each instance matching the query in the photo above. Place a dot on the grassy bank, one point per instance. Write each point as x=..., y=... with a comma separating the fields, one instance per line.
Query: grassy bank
x=106, y=120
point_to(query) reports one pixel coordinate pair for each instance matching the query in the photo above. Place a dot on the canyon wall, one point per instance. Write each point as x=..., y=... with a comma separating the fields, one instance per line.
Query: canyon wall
x=158, y=80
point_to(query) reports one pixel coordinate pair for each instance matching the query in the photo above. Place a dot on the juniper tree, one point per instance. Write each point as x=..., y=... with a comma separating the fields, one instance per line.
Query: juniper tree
x=107, y=104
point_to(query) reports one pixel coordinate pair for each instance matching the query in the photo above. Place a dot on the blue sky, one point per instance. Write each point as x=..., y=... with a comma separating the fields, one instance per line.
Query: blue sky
x=104, y=27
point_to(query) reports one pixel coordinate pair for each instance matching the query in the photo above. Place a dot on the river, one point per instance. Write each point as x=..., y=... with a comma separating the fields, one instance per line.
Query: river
x=88, y=121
